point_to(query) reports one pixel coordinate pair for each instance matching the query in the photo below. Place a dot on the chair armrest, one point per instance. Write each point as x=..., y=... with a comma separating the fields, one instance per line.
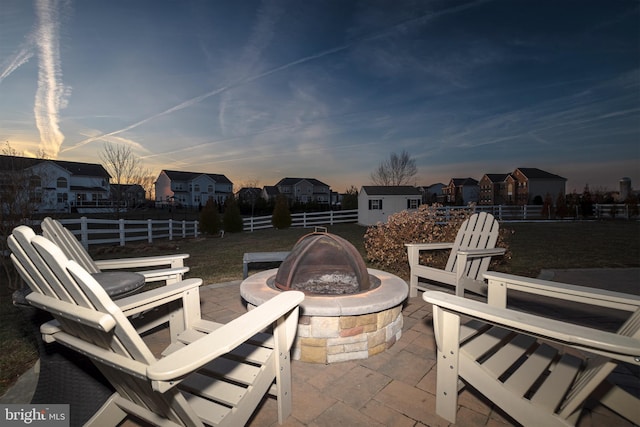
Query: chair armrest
x=428, y=246
x=499, y=283
x=143, y=301
x=95, y=319
x=478, y=253
x=164, y=274
x=173, y=261
x=616, y=346
x=193, y=356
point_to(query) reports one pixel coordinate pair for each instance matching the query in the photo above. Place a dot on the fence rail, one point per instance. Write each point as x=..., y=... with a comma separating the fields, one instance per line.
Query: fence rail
x=106, y=231
x=305, y=219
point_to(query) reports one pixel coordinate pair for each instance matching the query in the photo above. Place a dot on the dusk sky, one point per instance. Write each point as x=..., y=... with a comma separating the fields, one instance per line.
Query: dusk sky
x=259, y=91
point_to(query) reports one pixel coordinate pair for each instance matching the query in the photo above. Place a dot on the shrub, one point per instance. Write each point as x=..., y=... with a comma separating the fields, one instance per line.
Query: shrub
x=210, y=218
x=281, y=218
x=384, y=243
x=232, y=219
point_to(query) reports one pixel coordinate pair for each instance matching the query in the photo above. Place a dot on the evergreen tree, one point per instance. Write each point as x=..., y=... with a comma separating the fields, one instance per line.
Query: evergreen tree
x=210, y=218
x=232, y=219
x=281, y=217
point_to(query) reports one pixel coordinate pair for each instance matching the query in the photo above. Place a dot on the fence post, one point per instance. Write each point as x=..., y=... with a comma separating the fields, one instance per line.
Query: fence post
x=149, y=231
x=121, y=231
x=84, y=232
x=184, y=229
x=170, y=229
x=500, y=212
x=195, y=228
x=524, y=211
x=331, y=217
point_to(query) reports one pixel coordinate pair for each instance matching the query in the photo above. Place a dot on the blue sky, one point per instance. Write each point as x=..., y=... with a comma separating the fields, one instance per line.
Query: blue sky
x=328, y=89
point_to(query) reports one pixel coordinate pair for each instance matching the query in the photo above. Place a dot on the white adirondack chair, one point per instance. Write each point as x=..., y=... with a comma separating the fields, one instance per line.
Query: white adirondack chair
x=469, y=257
x=211, y=374
x=172, y=266
x=520, y=361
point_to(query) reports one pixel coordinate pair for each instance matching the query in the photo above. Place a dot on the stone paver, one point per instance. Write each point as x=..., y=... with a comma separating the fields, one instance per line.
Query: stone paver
x=394, y=388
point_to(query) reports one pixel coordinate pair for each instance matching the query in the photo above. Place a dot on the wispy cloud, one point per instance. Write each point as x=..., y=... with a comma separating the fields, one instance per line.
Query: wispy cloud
x=20, y=58
x=262, y=32
x=51, y=95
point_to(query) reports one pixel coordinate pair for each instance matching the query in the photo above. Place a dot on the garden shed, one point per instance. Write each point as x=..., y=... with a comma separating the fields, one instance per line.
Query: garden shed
x=376, y=202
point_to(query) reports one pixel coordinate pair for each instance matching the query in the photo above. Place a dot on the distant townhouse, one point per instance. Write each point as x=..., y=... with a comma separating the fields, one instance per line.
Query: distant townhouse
x=461, y=191
x=497, y=189
x=376, y=202
x=524, y=186
x=305, y=190
x=57, y=185
x=191, y=189
x=533, y=185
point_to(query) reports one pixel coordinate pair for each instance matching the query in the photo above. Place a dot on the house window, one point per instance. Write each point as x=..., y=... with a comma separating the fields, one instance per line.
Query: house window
x=61, y=182
x=375, y=204
x=413, y=203
x=210, y=189
x=35, y=181
x=62, y=197
x=196, y=188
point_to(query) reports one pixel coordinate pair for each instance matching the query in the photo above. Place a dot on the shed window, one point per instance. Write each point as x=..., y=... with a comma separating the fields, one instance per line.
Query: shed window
x=413, y=203
x=375, y=204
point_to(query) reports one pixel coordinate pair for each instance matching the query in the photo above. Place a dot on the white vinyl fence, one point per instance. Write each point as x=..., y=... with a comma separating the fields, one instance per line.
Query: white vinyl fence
x=305, y=219
x=105, y=231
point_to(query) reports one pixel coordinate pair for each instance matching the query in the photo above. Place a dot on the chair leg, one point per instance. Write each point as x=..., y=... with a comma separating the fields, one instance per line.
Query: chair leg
x=413, y=286
x=109, y=414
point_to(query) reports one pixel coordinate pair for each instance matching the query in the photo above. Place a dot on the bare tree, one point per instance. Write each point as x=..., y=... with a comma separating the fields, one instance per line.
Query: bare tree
x=399, y=169
x=19, y=199
x=125, y=168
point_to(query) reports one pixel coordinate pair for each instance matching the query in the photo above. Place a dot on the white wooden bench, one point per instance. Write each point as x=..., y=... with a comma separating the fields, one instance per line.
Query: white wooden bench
x=255, y=257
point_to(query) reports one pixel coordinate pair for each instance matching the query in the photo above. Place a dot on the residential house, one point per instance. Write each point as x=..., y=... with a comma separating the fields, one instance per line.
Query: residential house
x=461, y=191
x=534, y=185
x=128, y=195
x=191, y=189
x=57, y=185
x=270, y=193
x=305, y=190
x=497, y=189
x=376, y=203
x=432, y=193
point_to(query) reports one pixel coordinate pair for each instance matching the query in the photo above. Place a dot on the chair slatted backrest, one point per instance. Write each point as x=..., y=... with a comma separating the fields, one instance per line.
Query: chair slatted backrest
x=479, y=231
x=119, y=353
x=68, y=243
x=598, y=369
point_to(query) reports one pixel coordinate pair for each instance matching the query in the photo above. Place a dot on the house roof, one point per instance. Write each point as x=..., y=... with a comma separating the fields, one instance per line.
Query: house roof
x=391, y=190
x=271, y=190
x=535, y=173
x=463, y=181
x=497, y=177
x=74, y=168
x=189, y=176
x=294, y=181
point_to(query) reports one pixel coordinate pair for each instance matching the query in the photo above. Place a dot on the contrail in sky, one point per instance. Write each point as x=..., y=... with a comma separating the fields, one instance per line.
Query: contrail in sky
x=22, y=57
x=50, y=95
x=198, y=99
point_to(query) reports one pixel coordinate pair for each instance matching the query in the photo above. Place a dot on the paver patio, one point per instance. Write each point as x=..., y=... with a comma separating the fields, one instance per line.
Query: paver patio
x=394, y=388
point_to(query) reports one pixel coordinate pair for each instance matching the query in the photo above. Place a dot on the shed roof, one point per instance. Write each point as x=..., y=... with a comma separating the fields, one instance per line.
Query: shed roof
x=391, y=190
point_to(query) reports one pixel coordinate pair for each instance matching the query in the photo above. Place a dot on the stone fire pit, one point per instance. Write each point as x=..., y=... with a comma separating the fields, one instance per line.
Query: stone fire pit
x=338, y=327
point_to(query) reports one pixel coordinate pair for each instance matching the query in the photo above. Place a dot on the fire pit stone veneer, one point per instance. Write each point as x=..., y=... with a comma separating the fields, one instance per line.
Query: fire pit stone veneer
x=336, y=328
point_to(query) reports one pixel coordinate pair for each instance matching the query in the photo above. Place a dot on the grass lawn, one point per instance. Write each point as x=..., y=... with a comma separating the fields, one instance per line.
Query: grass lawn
x=534, y=246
